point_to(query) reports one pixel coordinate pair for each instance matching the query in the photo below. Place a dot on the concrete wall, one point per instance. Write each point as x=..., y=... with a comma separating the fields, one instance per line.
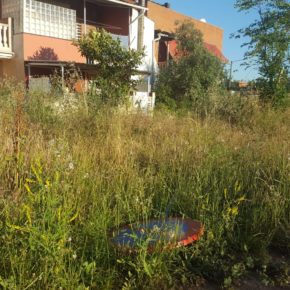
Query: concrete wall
x=133, y=29
x=38, y=47
x=15, y=67
x=148, y=43
x=148, y=39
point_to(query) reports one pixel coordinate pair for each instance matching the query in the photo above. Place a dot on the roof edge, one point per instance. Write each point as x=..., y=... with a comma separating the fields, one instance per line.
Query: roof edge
x=181, y=14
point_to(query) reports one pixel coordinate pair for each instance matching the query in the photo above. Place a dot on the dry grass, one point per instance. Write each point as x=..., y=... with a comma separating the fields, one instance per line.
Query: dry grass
x=80, y=175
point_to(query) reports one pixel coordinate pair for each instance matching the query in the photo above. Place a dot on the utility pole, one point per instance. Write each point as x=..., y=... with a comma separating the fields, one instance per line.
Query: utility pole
x=231, y=71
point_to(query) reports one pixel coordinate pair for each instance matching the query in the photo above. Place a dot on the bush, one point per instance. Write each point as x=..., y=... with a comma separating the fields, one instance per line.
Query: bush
x=194, y=77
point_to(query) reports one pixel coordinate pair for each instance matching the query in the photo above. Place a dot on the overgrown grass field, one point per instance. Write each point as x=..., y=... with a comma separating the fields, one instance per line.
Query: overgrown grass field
x=68, y=178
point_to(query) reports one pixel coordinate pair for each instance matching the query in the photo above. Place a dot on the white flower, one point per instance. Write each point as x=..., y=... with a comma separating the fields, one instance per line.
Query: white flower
x=71, y=166
x=74, y=256
x=69, y=239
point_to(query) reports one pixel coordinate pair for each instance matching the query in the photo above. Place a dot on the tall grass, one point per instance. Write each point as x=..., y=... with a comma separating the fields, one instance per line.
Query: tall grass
x=76, y=176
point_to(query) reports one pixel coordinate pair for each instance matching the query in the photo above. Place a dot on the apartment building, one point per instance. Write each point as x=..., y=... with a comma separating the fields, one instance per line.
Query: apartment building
x=36, y=36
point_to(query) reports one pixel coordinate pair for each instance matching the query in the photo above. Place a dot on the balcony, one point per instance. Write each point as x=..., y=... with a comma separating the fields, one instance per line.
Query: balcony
x=6, y=39
x=85, y=28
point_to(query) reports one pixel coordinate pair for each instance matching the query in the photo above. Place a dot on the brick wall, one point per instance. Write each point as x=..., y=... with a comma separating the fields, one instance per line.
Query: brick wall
x=165, y=20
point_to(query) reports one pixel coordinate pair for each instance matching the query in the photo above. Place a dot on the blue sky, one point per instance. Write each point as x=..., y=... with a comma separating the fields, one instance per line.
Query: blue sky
x=223, y=14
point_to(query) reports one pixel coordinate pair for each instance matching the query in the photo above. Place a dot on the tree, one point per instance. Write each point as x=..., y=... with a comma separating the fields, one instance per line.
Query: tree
x=268, y=46
x=115, y=65
x=193, y=76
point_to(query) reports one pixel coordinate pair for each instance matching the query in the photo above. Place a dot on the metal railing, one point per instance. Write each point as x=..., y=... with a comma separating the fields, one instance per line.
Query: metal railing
x=82, y=29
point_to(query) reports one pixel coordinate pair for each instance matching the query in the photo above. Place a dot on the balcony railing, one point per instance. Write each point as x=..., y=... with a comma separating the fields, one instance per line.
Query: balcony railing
x=82, y=29
x=6, y=38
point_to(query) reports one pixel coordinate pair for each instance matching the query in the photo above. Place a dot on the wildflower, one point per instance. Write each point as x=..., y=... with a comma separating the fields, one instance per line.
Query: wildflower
x=74, y=256
x=171, y=234
x=69, y=239
x=71, y=166
x=272, y=187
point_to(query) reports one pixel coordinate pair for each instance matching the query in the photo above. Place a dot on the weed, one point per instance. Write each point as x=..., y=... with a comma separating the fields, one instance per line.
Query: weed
x=82, y=174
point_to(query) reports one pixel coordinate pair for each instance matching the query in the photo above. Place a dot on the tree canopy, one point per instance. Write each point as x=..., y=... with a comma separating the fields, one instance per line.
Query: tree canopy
x=115, y=64
x=268, y=46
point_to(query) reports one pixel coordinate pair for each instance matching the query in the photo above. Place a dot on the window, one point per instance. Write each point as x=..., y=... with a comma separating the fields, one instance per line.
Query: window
x=49, y=20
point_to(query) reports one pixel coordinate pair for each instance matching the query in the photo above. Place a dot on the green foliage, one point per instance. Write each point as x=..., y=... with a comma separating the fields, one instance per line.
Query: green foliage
x=268, y=47
x=193, y=77
x=115, y=66
x=236, y=109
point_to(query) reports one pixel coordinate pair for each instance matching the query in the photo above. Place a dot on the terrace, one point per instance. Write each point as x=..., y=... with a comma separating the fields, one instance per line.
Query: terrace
x=51, y=25
x=68, y=19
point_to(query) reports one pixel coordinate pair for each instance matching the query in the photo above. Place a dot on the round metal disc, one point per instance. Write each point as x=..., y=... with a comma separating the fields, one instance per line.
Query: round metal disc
x=172, y=232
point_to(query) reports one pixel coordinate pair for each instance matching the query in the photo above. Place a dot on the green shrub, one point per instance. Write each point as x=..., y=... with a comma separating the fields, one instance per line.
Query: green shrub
x=192, y=78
